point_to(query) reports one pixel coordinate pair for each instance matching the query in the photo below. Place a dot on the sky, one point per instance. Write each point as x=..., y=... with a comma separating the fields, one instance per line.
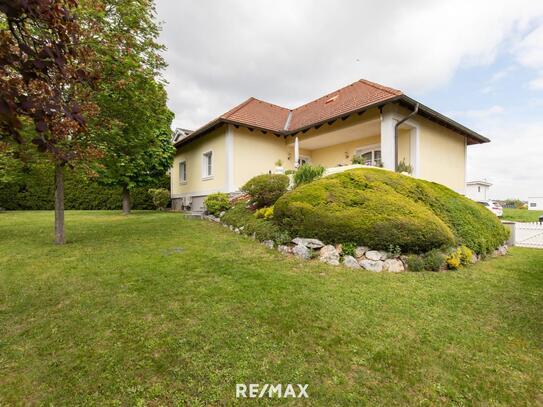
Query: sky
x=478, y=62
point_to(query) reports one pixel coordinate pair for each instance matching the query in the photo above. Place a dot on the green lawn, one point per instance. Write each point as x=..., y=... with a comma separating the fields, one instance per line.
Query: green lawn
x=154, y=309
x=521, y=215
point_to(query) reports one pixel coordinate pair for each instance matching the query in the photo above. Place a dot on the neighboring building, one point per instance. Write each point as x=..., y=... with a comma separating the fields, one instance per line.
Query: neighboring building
x=478, y=190
x=535, y=203
x=359, y=119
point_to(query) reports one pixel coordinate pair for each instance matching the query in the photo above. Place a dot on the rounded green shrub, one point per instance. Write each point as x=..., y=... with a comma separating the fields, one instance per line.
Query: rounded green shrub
x=434, y=260
x=216, y=203
x=161, y=197
x=266, y=189
x=378, y=208
x=415, y=263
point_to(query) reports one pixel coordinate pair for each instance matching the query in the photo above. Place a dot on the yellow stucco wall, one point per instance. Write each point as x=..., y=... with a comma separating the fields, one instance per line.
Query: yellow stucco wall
x=442, y=155
x=404, y=146
x=192, y=154
x=256, y=153
x=335, y=155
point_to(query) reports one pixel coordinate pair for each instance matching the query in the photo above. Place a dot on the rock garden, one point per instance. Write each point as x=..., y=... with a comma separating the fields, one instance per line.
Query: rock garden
x=367, y=219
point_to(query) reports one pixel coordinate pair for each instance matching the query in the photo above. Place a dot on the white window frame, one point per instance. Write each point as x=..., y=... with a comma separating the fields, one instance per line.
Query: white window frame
x=182, y=181
x=207, y=168
x=367, y=149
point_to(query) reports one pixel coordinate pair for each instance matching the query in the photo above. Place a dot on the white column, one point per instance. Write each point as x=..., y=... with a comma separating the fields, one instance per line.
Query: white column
x=296, y=152
x=387, y=140
x=229, y=139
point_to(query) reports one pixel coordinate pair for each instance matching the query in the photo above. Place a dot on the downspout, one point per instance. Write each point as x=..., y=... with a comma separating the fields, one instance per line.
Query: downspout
x=406, y=118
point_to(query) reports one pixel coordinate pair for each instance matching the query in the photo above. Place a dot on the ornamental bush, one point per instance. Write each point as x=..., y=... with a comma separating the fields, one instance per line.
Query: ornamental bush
x=216, y=203
x=266, y=189
x=161, y=197
x=379, y=208
x=308, y=173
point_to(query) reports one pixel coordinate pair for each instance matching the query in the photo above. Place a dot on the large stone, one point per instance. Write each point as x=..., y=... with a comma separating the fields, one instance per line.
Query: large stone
x=384, y=255
x=284, y=249
x=393, y=265
x=474, y=258
x=268, y=243
x=360, y=251
x=329, y=255
x=301, y=251
x=502, y=250
x=372, y=265
x=373, y=255
x=311, y=243
x=350, y=261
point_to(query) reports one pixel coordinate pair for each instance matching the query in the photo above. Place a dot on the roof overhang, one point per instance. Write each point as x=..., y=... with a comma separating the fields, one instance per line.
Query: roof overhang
x=472, y=137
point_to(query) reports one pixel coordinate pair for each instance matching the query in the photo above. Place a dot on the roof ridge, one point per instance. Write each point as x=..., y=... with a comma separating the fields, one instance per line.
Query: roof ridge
x=271, y=104
x=381, y=87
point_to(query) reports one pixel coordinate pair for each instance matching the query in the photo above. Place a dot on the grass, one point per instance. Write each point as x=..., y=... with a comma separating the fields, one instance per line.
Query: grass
x=155, y=309
x=521, y=215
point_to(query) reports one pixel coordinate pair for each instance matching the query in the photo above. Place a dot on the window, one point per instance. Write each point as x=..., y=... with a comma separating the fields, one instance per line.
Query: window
x=371, y=157
x=207, y=165
x=533, y=204
x=478, y=189
x=182, y=172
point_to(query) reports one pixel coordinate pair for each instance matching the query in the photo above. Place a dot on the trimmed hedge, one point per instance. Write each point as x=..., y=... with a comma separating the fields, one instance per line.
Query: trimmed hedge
x=378, y=208
x=34, y=190
x=265, y=189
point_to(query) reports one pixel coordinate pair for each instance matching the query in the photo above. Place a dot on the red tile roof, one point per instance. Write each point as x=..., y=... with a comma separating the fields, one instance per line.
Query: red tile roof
x=254, y=112
x=345, y=100
x=354, y=97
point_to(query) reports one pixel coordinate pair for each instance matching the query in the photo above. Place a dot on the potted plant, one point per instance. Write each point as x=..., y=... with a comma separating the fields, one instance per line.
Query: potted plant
x=279, y=167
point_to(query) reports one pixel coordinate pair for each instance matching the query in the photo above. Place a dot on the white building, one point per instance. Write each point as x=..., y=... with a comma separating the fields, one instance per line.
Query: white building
x=478, y=190
x=535, y=203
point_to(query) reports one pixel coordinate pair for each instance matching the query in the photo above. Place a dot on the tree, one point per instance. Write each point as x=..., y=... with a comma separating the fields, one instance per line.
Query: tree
x=44, y=78
x=134, y=122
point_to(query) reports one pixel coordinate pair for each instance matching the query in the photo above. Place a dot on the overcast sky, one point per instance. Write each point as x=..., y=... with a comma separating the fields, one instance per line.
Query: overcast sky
x=480, y=62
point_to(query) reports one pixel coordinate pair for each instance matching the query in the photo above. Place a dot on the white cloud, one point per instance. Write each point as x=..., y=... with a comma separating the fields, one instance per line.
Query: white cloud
x=289, y=52
x=537, y=83
x=511, y=161
x=479, y=113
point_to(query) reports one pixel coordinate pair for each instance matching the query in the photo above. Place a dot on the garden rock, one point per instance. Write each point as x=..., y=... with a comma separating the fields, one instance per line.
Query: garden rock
x=268, y=244
x=474, y=258
x=393, y=265
x=301, y=251
x=372, y=265
x=329, y=255
x=384, y=255
x=373, y=255
x=350, y=261
x=502, y=250
x=311, y=243
x=360, y=251
x=284, y=249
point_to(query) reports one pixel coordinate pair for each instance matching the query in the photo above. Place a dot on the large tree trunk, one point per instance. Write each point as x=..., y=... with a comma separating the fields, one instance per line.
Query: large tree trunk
x=126, y=200
x=59, y=204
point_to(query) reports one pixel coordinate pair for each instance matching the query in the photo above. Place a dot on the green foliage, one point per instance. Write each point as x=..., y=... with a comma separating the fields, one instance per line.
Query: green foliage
x=278, y=163
x=161, y=197
x=465, y=254
x=348, y=248
x=307, y=173
x=403, y=167
x=266, y=189
x=265, y=213
x=239, y=216
x=453, y=260
x=434, y=260
x=394, y=250
x=33, y=189
x=415, y=263
x=378, y=208
x=289, y=172
x=216, y=203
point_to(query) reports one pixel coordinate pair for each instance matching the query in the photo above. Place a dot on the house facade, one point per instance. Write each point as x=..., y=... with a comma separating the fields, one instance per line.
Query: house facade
x=380, y=125
x=478, y=190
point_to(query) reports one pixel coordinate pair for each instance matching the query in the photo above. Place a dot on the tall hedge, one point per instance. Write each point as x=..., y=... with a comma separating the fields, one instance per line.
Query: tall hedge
x=34, y=190
x=380, y=208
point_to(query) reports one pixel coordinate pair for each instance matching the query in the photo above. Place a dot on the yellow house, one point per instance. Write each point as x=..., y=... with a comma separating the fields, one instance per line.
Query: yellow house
x=379, y=125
